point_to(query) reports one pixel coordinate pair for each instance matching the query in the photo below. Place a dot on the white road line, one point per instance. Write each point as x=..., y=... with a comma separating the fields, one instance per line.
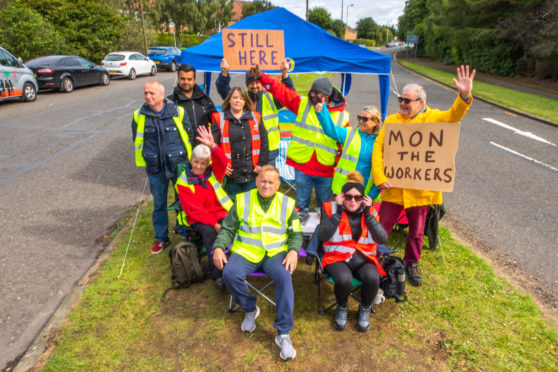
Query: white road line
x=524, y=156
x=518, y=131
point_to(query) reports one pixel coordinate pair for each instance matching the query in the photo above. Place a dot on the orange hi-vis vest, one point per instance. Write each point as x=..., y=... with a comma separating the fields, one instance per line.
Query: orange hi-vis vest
x=254, y=130
x=341, y=246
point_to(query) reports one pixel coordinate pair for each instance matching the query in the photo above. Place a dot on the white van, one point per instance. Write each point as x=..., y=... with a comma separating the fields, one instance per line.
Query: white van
x=16, y=80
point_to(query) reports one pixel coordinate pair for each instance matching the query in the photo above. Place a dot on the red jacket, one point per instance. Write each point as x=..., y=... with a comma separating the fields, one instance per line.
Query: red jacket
x=291, y=100
x=203, y=206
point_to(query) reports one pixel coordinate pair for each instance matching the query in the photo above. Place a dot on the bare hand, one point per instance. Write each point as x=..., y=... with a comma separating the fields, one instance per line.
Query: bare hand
x=255, y=71
x=229, y=169
x=385, y=185
x=320, y=105
x=290, y=261
x=224, y=67
x=284, y=69
x=219, y=258
x=367, y=201
x=339, y=198
x=464, y=82
x=257, y=169
x=206, y=137
x=217, y=227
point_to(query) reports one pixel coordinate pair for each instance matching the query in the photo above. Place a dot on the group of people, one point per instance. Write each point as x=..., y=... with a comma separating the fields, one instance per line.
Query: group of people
x=221, y=165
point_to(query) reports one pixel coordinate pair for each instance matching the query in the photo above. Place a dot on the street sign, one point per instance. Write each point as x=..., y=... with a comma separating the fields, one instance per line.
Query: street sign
x=412, y=39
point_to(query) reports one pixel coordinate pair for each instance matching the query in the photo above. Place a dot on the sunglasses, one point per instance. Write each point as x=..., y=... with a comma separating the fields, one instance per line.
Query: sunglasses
x=364, y=118
x=407, y=100
x=357, y=198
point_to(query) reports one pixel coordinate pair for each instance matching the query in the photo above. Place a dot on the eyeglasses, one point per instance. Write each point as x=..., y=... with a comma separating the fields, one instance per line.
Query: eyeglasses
x=357, y=198
x=364, y=118
x=407, y=100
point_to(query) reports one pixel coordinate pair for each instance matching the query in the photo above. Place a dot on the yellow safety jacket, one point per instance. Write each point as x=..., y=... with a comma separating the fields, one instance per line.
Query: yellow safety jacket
x=270, y=118
x=138, y=143
x=260, y=233
x=308, y=136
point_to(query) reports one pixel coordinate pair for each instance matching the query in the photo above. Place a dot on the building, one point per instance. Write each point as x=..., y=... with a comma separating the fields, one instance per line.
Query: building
x=350, y=33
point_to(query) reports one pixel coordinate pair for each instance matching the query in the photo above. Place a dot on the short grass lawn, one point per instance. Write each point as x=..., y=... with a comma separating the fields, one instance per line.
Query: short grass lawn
x=529, y=103
x=462, y=318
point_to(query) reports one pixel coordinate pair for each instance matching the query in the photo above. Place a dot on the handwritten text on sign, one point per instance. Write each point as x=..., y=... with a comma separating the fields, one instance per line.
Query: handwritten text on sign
x=421, y=155
x=246, y=48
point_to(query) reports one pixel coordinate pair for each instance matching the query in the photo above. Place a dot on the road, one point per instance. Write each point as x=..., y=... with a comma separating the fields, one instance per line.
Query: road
x=67, y=175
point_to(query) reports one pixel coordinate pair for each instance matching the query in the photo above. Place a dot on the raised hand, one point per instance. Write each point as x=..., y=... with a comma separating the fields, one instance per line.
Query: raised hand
x=224, y=67
x=339, y=198
x=255, y=71
x=367, y=201
x=205, y=137
x=464, y=82
x=320, y=105
x=284, y=69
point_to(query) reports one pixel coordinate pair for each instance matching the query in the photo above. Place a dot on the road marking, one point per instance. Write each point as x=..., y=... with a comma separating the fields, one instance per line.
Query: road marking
x=518, y=131
x=524, y=156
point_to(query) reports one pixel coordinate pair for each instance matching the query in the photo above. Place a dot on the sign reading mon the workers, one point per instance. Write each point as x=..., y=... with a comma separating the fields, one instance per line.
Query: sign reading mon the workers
x=246, y=48
x=421, y=155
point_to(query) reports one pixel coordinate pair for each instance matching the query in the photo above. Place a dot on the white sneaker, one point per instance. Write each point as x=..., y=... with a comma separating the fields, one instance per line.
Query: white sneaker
x=249, y=323
x=287, y=350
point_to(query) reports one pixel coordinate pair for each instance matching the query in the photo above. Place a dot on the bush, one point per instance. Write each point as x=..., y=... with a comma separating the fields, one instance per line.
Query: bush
x=190, y=40
x=367, y=42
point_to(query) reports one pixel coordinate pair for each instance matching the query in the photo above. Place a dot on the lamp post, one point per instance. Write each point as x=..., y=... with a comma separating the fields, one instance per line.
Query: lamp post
x=341, y=10
x=348, y=5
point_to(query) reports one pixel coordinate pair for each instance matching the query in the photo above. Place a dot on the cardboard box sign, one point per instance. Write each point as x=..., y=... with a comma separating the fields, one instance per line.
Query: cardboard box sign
x=421, y=155
x=246, y=48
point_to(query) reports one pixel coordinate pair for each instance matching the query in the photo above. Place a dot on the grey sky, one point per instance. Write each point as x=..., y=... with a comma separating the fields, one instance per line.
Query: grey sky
x=383, y=12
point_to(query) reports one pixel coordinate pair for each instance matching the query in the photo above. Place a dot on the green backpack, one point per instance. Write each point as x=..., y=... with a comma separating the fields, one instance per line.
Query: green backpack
x=185, y=265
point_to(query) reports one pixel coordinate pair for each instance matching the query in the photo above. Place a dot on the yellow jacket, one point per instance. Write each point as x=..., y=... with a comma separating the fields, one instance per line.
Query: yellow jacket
x=410, y=197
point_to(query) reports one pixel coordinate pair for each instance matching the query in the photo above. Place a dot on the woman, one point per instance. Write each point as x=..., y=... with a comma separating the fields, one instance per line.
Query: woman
x=243, y=138
x=349, y=231
x=357, y=146
x=203, y=200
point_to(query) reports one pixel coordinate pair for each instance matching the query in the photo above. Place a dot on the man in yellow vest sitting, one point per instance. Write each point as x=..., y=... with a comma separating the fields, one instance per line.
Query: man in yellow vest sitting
x=265, y=230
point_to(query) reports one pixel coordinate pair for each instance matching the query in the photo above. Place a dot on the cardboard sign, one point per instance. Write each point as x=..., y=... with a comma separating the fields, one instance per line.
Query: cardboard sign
x=246, y=48
x=421, y=155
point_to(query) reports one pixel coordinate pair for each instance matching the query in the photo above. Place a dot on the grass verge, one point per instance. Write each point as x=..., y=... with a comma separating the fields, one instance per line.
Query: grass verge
x=529, y=103
x=462, y=318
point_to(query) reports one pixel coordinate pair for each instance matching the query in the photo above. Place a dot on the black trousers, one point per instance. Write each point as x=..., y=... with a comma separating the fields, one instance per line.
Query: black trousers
x=362, y=269
x=208, y=235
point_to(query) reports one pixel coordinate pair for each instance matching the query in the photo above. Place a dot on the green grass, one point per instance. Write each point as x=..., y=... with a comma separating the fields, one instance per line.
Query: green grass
x=462, y=318
x=529, y=103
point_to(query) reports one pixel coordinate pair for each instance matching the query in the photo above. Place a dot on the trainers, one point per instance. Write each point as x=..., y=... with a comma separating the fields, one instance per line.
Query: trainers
x=413, y=274
x=158, y=247
x=287, y=350
x=341, y=317
x=219, y=283
x=304, y=215
x=363, y=323
x=249, y=322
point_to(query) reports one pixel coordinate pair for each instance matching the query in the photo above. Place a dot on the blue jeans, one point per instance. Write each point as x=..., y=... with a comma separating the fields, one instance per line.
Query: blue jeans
x=159, y=186
x=235, y=273
x=236, y=188
x=304, y=186
x=272, y=156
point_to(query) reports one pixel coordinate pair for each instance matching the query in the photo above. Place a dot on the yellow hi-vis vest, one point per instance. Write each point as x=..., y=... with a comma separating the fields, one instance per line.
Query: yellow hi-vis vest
x=270, y=118
x=221, y=195
x=348, y=162
x=138, y=143
x=308, y=136
x=262, y=232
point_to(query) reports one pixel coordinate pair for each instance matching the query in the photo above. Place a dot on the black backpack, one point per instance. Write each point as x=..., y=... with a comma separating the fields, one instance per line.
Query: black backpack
x=393, y=284
x=185, y=265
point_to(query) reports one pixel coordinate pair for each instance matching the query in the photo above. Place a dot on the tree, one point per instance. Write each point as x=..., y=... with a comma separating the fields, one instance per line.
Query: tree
x=338, y=28
x=256, y=6
x=223, y=13
x=320, y=17
x=368, y=29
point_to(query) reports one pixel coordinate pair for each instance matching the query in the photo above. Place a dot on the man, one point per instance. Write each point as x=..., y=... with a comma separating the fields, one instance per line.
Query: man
x=413, y=109
x=162, y=136
x=311, y=152
x=191, y=97
x=266, y=234
x=265, y=104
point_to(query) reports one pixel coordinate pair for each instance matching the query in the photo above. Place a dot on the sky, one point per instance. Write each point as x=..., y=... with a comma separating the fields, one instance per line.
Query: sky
x=383, y=12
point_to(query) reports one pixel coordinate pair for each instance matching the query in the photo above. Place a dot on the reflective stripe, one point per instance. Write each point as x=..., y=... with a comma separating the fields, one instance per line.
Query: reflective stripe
x=256, y=137
x=367, y=240
x=340, y=119
x=258, y=229
x=259, y=243
x=336, y=238
x=140, y=147
x=269, y=117
x=283, y=217
x=225, y=140
x=222, y=121
x=256, y=152
x=338, y=248
x=228, y=156
x=273, y=129
x=310, y=127
x=314, y=144
x=139, y=134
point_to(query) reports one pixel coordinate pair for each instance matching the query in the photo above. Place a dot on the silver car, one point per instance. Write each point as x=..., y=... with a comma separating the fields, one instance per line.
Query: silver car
x=16, y=80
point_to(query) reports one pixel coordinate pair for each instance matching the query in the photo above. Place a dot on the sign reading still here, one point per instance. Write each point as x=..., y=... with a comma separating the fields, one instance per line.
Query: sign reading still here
x=421, y=155
x=246, y=48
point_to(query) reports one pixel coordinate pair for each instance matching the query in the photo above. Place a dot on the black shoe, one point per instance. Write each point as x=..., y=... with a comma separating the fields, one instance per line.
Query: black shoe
x=219, y=283
x=340, y=321
x=363, y=323
x=303, y=214
x=309, y=260
x=413, y=274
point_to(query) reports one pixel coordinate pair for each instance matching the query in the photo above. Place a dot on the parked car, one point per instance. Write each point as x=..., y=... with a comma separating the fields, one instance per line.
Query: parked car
x=67, y=72
x=16, y=80
x=129, y=64
x=165, y=57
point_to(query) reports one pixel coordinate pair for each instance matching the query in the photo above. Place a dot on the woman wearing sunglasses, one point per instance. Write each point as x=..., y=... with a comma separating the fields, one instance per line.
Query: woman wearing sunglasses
x=357, y=142
x=349, y=230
